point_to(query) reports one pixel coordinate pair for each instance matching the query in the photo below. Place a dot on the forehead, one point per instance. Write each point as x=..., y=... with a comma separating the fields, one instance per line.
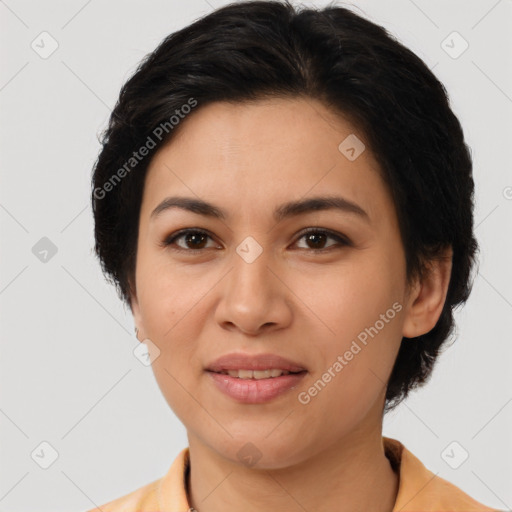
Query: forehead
x=265, y=152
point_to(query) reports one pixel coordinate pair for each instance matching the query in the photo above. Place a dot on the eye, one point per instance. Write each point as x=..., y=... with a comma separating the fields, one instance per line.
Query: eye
x=317, y=238
x=192, y=240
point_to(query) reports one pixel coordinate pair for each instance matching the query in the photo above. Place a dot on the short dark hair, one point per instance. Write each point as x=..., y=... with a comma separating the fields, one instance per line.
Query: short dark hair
x=253, y=50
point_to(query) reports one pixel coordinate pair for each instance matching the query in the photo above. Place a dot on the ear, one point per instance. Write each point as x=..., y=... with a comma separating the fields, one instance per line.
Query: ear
x=427, y=296
x=137, y=317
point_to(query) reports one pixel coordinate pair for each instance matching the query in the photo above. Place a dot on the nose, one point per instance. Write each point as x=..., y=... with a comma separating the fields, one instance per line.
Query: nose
x=254, y=298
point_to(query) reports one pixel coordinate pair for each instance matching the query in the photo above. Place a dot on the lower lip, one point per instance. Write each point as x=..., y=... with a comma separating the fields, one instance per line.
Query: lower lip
x=255, y=391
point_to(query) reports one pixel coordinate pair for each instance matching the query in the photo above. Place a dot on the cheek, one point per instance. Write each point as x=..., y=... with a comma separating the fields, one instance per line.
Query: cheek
x=166, y=295
x=354, y=369
x=351, y=298
x=361, y=323
x=168, y=304
x=170, y=319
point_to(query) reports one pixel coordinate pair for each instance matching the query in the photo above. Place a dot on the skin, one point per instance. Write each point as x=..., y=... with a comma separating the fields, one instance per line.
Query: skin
x=292, y=301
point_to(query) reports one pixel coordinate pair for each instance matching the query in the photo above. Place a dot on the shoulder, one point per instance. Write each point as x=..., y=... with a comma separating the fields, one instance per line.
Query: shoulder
x=166, y=493
x=140, y=500
x=440, y=494
x=421, y=489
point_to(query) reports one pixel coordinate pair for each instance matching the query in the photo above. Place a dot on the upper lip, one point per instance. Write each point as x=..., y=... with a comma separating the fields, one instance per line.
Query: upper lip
x=239, y=361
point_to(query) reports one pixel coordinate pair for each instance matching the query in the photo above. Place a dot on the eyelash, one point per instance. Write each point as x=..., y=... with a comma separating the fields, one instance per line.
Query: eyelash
x=341, y=239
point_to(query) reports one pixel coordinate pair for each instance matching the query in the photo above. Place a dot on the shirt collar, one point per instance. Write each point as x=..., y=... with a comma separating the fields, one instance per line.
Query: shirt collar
x=419, y=488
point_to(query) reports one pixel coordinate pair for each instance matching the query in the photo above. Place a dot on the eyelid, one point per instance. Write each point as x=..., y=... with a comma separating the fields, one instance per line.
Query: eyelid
x=169, y=240
x=341, y=239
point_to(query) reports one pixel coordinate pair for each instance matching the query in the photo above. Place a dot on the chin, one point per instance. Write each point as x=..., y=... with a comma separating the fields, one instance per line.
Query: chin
x=260, y=453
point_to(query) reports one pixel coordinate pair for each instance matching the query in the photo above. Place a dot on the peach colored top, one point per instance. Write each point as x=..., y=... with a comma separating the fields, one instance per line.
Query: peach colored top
x=419, y=490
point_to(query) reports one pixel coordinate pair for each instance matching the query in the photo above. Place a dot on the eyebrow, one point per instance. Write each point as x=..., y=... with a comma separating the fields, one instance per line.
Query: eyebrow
x=284, y=211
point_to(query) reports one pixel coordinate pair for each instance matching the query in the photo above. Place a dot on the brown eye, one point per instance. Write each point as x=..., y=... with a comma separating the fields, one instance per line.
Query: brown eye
x=316, y=239
x=189, y=240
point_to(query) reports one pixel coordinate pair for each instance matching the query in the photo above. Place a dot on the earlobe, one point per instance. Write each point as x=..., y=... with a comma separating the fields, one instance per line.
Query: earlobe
x=427, y=299
x=134, y=306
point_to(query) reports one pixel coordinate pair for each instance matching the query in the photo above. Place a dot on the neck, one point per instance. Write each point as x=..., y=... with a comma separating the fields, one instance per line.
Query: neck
x=351, y=475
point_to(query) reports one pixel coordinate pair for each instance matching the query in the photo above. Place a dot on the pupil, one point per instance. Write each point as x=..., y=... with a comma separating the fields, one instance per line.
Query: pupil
x=197, y=239
x=311, y=238
x=194, y=237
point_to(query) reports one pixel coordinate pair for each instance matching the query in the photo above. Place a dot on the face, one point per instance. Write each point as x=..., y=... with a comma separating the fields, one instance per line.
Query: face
x=323, y=288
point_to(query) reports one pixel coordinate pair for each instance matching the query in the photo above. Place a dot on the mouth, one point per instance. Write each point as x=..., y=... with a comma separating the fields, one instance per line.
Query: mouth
x=256, y=378
x=258, y=366
x=246, y=388
x=270, y=373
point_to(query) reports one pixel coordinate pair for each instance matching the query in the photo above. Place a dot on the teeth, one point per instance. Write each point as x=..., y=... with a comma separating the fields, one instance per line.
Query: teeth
x=256, y=374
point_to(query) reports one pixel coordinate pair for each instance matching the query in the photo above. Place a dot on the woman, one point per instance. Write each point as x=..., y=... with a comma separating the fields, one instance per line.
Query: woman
x=284, y=198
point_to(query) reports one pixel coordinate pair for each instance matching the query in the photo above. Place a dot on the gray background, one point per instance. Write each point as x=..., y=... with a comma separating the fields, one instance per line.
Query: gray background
x=68, y=375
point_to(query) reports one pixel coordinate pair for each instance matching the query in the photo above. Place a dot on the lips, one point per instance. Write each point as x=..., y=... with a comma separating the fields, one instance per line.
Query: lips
x=243, y=377
x=254, y=362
